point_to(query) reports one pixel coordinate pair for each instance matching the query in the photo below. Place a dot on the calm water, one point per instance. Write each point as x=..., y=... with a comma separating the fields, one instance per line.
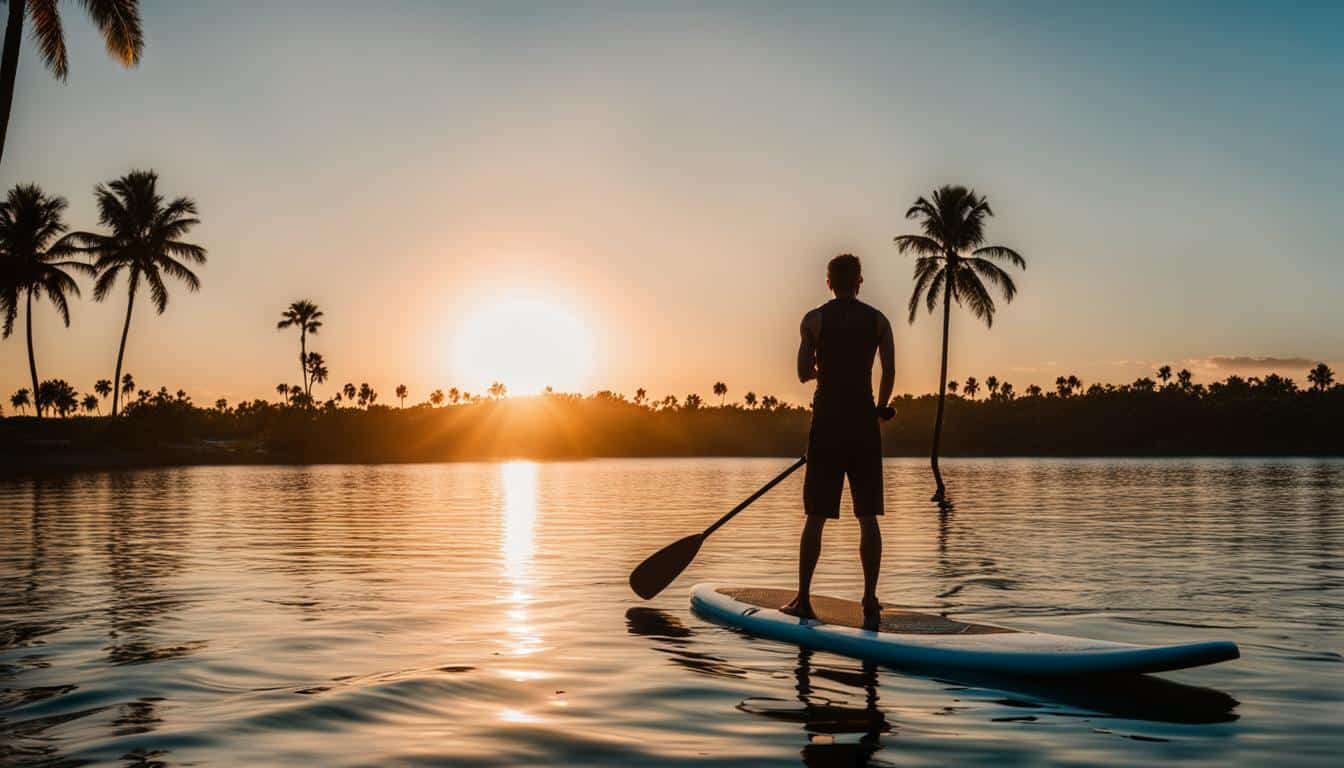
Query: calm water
x=479, y=614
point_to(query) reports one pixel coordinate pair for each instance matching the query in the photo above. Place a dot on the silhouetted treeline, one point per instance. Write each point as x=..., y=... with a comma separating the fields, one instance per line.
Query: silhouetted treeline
x=1227, y=419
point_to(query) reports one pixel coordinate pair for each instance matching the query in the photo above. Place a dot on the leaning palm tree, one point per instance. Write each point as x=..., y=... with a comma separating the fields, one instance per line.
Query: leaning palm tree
x=32, y=263
x=952, y=264
x=145, y=243
x=117, y=20
x=304, y=314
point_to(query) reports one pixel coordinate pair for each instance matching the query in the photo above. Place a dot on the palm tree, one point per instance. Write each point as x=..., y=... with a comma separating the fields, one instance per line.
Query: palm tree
x=315, y=366
x=104, y=389
x=454, y=395
x=952, y=386
x=401, y=393
x=497, y=390
x=1033, y=390
x=282, y=390
x=350, y=391
x=127, y=384
x=31, y=264
x=304, y=314
x=750, y=399
x=1321, y=377
x=1164, y=374
x=992, y=384
x=1006, y=391
x=20, y=399
x=971, y=387
x=145, y=244
x=640, y=396
x=1184, y=379
x=720, y=389
x=436, y=398
x=366, y=394
x=117, y=20
x=90, y=404
x=952, y=264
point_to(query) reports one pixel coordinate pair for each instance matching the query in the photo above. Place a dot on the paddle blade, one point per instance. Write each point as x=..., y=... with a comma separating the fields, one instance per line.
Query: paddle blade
x=662, y=567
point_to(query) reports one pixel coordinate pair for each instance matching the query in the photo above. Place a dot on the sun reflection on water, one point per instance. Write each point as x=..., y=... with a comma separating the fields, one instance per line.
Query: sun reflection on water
x=518, y=482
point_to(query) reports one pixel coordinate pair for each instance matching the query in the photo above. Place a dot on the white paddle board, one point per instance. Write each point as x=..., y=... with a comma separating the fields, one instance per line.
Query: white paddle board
x=912, y=639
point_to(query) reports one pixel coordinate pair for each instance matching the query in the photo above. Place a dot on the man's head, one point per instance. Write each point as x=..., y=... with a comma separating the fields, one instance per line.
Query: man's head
x=844, y=275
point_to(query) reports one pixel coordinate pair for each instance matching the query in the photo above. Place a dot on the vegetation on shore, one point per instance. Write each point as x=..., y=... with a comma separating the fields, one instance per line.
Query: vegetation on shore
x=1236, y=416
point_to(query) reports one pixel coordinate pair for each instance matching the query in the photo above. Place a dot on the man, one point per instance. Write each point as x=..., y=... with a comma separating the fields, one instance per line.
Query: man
x=839, y=341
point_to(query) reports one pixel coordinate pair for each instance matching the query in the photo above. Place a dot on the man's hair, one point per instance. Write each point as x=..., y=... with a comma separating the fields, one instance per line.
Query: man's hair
x=843, y=273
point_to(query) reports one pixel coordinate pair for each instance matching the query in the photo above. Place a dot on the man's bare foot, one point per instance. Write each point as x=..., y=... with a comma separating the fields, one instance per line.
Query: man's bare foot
x=872, y=614
x=800, y=608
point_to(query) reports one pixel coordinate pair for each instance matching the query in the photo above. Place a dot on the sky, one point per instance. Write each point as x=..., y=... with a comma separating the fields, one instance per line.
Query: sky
x=654, y=188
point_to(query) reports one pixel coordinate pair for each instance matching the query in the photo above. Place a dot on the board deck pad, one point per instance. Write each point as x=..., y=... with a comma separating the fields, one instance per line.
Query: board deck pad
x=848, y=613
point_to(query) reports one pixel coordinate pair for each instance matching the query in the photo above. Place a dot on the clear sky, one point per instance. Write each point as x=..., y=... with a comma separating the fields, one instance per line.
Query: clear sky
x=670, y=178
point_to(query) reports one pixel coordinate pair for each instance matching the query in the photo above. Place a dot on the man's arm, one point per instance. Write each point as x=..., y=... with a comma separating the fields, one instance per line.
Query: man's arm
x=807, y=348
x=886, y=353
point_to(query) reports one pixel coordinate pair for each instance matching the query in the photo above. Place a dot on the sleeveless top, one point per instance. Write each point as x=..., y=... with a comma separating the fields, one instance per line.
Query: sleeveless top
x=846, y=348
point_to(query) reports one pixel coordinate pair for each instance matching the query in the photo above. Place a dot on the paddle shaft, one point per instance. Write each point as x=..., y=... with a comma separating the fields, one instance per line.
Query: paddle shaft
x=764, y=489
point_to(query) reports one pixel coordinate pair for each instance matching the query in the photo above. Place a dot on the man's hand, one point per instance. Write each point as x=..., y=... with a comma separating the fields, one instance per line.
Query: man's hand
x=886, y=412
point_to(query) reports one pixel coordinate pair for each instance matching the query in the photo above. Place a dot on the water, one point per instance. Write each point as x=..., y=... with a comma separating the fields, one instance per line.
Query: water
x=479, y=614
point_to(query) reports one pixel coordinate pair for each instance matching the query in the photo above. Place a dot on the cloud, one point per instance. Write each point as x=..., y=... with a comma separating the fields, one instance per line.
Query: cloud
x=1251, y=363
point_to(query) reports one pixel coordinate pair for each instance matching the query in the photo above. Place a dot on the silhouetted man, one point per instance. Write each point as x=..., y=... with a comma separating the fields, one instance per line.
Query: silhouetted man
x=840, y=340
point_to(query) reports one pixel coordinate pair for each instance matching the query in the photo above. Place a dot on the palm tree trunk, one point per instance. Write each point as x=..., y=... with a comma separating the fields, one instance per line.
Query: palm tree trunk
x=941, y=493
x=9, y=66
x=32, y=362
x=121, y=351
x=303, y=358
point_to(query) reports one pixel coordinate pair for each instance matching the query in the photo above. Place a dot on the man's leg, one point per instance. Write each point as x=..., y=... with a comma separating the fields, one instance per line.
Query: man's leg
x=870, y=553
x=809, y=552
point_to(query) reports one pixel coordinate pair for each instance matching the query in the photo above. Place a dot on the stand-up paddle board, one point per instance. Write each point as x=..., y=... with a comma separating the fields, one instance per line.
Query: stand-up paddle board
x=911, y=639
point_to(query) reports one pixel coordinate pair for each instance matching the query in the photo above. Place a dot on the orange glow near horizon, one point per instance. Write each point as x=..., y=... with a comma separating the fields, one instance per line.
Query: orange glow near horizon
x=528, y=342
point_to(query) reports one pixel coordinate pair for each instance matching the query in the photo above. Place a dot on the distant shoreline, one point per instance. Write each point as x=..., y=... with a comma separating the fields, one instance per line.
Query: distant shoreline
x=566, y=427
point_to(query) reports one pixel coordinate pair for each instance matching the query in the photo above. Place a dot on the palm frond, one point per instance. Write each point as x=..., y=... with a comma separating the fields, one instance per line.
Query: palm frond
x=55, y=289
x=971, y=292
x=158, y=292
x=920, y=244
x=935, y=290
x=994, y=274
x=107, y=278
x=923, y=276
x=1002, y=253
x=49, y=35
x=188, y=251
x=178, y=270
x=119, y=21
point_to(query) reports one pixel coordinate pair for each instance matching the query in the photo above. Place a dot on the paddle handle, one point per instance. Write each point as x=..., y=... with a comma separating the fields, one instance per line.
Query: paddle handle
x=747, y=502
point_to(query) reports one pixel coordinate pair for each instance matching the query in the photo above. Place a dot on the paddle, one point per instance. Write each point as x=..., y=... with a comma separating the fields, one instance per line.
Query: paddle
x=659, y=569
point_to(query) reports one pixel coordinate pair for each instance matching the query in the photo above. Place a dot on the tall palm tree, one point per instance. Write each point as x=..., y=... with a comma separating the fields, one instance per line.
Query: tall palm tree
x=720, y=389
x=117, y=20
x=401, y=392
x=304, y=314
x=127, y=385
x=32, y=263
x=952, y=264
x=145, y=243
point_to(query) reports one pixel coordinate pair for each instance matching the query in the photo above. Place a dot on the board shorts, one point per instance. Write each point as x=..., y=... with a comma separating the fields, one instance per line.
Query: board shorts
x=838, y=449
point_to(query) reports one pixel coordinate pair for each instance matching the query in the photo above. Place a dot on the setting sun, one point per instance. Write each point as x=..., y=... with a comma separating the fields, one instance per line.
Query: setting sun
x=526, y=342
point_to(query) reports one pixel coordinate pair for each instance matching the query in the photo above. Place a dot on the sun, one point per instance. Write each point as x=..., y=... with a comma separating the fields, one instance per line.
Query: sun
x=528, y=342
